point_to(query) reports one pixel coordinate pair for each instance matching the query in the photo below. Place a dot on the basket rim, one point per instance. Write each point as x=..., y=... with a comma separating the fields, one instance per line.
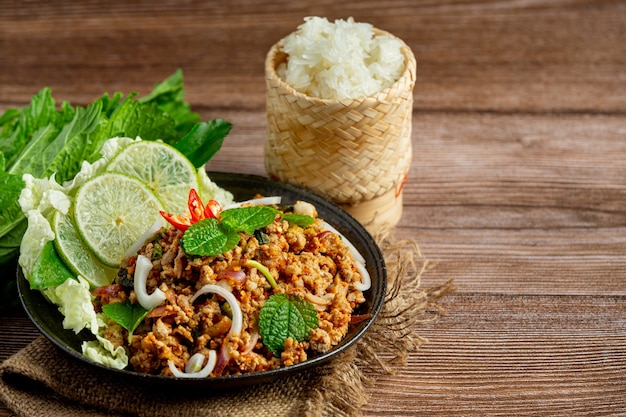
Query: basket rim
x=409, y=72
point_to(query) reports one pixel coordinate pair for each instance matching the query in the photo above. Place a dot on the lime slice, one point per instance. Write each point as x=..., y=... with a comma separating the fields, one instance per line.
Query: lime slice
x=75, y=255
x=112, y=211
x=163, y=168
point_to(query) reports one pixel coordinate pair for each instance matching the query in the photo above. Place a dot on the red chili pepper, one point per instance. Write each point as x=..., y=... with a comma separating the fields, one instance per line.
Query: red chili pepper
x=196, y=208
x=197, y=211
x=179, y=222
x=212, y=210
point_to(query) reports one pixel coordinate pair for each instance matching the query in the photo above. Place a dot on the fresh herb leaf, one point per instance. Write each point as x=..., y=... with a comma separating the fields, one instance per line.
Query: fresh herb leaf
x=19, y=126
x=208, y=237
x=10, y=211
x=49, y=270
x=169, y=97
x=43, y=138
x=301, y=220
x=283, y=316
x=232, y=240
x=126, y=314
x=203, y=141
x=248, y=219
x=65, y=154
x=10, y=244
x=261, y=237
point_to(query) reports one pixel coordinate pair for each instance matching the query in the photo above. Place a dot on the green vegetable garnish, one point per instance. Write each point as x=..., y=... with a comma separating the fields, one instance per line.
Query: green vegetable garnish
x=203, y=141
x=49, y=270
x=126, y=314
x=283, y=316
x=210, y=237
x=263, y=270
x=301, y=220
x=43, y=138
x=248, y=219
x=261, y=237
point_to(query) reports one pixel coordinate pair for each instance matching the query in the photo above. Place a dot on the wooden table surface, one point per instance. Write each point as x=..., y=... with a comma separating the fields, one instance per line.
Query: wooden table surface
x=517, y=189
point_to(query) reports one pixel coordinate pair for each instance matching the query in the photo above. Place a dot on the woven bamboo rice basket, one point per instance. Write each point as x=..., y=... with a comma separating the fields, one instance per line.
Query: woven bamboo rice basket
x=355, y=152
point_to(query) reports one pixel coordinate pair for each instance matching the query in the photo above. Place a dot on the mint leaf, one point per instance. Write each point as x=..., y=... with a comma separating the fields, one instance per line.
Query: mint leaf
x=126, y=314
x=301, y=220
x=249, y=219
x=208, y=237
x=283, y=316
x=232, y=240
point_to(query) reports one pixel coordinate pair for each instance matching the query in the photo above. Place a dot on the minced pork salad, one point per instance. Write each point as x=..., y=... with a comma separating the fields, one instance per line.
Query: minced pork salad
x=287, y=287
x=181, y=287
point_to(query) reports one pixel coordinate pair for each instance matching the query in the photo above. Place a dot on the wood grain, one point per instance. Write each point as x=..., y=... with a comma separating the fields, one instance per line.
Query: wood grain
x=515, y=355
x=516, y=189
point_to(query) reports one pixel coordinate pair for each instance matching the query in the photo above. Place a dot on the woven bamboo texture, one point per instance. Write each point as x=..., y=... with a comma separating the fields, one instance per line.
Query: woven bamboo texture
x=351, y=150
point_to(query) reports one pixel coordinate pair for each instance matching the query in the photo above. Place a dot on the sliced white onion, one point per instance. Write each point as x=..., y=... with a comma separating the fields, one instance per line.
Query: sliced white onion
x=316, y=299
x=194, y=369
x=263, y=201
x=366, y=282
x=134, y=248
x=357, y=255
x=237, y=320
x=359, y=259
x=143, y=266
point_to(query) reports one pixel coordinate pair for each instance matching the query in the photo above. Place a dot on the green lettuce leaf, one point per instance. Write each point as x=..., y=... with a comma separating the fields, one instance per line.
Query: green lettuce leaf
x=103, y=352
x=10, y=210
x=74, y=301
x=42, y=140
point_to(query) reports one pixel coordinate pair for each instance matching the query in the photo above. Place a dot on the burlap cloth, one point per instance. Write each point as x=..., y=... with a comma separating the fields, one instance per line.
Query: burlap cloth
x=40, y=380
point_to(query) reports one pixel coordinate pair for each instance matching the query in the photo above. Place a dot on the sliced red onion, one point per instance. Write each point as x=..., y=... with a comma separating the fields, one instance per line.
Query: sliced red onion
x=236, y=275
x=359, y=260
x=223, y=358
x=143, y=266
x=194, y=368
x=254, y=338
x=263, y=201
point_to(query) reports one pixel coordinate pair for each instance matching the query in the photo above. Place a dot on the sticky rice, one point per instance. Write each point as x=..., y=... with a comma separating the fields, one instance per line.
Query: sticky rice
x=340, y=59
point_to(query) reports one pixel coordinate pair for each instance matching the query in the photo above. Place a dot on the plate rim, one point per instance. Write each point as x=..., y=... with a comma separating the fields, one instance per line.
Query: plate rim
x=28, y=297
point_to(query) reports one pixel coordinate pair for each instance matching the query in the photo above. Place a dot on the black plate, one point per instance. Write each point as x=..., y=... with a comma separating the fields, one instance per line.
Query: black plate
x=49, y=321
